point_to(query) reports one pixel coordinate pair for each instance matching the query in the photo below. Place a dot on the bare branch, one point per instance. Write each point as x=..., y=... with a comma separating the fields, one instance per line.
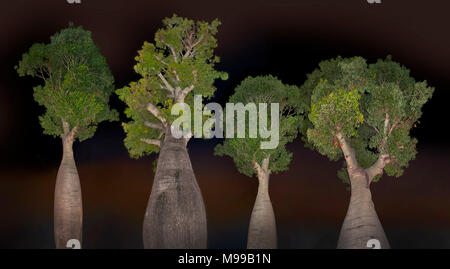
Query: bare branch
x=166, y=83
x=392, y=128
x=349, y=152
x=189, y=51
x=160, y=60
x=155, y=111
x=198, y=42
x=383, y=158
x=265, y=163
x=68, y=134
x=264, y=167
x=176, y=75
x=184, y=93
x=374, y=127
x=386, y=125
x=175, y=57
x=378, y=166
x=256, y=166
x=155, y=142
x=386, y=132
x=154, y=125
x=66, y=127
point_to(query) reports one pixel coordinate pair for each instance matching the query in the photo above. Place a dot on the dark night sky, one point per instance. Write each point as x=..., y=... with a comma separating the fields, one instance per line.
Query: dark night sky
x=286, y=38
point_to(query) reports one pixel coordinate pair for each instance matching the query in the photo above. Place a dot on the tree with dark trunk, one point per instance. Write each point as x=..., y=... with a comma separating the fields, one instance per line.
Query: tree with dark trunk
x=364, y=114
x=75, y=94
x=249, y=155
x=180, y=63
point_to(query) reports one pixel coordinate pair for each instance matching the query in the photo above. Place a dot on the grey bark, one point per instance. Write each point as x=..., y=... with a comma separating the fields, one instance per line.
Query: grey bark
x=361, y=222
x=262, y=232
x=68, y=209
x=175, y=215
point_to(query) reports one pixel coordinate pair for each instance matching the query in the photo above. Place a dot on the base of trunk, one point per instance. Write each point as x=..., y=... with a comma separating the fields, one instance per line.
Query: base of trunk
x=68, y=209
x=262, y=232
x=361, y=227
x=175, y=215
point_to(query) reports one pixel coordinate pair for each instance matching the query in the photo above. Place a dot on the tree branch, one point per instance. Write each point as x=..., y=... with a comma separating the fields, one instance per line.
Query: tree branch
x=190, y=49
x=386, y=125
x=160, y=60
x=155, y=111
x=378, y=166
x=177, y=78
x=155, y=142
x=154, y=125
x=264, y=167
x=68, y=134
x=349, y=152
x=66, y=127
x=175, y=57
x=265, y=163
x=383, y=158
x=166, y=83
x=184, y=93
x=392, y=128
x=374, y=127
x=386, y=132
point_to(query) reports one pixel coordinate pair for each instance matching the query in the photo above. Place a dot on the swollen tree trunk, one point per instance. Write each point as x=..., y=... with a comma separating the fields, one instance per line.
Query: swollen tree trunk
x=262, y=231
x=175, y=215
x=68, y=209
x=361, y=224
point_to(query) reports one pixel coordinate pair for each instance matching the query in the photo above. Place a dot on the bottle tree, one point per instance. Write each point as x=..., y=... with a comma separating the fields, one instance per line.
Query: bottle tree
x=179, y=63
x=77, y=84
x=251, y=158
x=364, y=113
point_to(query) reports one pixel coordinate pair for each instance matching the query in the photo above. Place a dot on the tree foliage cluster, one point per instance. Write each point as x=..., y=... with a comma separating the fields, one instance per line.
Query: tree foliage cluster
x=77, y=82
x=373, y=106
x=178, y=64
x=246, y=152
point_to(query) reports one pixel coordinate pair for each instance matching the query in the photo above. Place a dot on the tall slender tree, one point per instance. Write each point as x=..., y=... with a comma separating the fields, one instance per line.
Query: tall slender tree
x=75, y=94
x=251, y=159
x=180, y=62
x=364, y=114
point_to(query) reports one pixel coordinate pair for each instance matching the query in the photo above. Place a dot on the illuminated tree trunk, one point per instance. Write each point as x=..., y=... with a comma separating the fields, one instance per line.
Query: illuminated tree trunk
x=175, y=215
x=68, y=209
x=262, y=232
x=361, y=223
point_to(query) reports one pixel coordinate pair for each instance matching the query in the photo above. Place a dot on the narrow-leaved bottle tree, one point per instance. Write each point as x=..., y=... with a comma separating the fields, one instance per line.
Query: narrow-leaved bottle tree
x=179, y=63
x=364, y=114
x=248, y=154
x=77, y=84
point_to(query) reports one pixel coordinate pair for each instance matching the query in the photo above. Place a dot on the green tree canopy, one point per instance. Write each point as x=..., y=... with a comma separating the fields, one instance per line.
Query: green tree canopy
x=373, y=107
x=77, y=82
x=180, y=62
x=246, y=152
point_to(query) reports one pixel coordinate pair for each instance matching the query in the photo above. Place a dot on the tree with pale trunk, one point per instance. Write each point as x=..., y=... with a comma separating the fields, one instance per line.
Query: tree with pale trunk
x=179, y=63
x=75, y=93
x=250, y=159
x=364, y=113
